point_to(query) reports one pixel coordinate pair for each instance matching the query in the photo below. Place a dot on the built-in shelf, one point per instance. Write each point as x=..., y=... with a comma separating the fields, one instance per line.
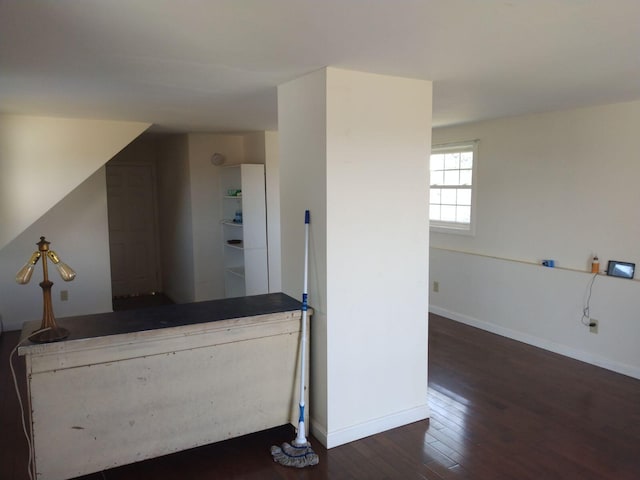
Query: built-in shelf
x=231, y=223
x=238, y=271
x=245, y=263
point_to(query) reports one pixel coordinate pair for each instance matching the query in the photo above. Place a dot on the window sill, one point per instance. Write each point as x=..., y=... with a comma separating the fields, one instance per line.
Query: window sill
x=456, y=230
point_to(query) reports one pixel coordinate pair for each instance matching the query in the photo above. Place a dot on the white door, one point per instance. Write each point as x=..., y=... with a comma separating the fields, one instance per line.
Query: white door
x=132, y=229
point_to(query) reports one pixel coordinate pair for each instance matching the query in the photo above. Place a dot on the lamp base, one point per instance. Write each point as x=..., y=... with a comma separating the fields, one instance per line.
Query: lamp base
x=54, y=334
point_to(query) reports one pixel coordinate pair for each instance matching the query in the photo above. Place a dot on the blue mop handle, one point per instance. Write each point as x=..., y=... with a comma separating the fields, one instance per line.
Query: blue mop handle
x=301, y=438
x=307, y=220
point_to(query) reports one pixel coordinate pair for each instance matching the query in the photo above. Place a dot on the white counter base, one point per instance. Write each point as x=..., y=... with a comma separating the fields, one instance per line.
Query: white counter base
x=106, y=401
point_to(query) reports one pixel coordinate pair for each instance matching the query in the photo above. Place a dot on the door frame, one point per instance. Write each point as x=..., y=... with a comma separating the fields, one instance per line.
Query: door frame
x=155, y=213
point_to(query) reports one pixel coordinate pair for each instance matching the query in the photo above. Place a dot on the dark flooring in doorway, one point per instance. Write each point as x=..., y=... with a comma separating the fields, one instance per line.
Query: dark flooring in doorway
x=140, y=301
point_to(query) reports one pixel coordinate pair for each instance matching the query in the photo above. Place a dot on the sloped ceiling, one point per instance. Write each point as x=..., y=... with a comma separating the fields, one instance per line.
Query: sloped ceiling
x=205, y=65
x=42, y=159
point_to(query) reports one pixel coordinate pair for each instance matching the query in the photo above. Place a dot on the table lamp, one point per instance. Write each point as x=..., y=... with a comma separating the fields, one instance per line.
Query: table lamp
x=49, y=331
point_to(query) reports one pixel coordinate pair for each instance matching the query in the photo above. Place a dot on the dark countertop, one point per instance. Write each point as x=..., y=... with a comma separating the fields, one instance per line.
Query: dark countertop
x=115, y=323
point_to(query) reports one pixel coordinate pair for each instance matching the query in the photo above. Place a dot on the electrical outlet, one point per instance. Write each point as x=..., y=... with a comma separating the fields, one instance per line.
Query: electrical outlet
x=64, y=295
x=594, y=328
x=436, y=287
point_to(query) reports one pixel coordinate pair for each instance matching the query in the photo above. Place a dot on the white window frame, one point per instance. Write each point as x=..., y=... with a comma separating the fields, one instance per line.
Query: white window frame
x=455, y=227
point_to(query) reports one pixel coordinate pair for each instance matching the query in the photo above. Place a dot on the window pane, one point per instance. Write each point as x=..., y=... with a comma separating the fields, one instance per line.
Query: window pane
x=466, y=160
x=452, y=161
x=449, y=196
x=447, y=213
x=464, y=196
x=437, y=161
x=451, y=177
x=434, y=212
x=463, y=215
x=437, y=177
x=465, y=177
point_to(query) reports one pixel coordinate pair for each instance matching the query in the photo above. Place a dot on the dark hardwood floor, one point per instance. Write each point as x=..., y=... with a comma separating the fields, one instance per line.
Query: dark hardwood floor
x=500, y=410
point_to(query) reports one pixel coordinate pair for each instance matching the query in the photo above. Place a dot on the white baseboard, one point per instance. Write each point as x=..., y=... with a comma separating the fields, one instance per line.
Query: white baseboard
x=539, y=342
x=319, y=432
x=362, y=430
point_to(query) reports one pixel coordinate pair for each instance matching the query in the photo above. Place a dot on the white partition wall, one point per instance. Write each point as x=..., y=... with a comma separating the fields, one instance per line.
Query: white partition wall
x=354, y=150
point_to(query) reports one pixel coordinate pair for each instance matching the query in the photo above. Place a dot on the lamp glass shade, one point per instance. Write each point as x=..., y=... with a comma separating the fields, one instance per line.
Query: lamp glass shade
x=66, y=272
x=24, y=274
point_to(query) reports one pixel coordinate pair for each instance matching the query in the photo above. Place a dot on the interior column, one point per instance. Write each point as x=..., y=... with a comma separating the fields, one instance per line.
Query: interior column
x=354, y=150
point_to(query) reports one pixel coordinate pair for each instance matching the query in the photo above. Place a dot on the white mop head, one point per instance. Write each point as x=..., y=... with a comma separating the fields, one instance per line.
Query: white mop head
x=294, y=456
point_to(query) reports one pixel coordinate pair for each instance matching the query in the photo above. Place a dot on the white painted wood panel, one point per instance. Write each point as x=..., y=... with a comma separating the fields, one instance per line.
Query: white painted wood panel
x=107, y=401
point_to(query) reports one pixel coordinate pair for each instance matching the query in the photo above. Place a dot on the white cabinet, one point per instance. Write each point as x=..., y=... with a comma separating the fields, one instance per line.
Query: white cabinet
x=244, y=225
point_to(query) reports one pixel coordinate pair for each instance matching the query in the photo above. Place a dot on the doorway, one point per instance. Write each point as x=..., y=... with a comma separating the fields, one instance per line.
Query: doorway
x=133, y=241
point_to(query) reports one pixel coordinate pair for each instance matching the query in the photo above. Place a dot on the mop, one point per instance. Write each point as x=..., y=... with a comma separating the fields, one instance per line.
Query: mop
x=299, y=453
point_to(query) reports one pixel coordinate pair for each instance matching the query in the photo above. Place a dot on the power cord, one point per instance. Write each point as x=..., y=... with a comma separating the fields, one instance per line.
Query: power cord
x=31, y=464
x=586, y=315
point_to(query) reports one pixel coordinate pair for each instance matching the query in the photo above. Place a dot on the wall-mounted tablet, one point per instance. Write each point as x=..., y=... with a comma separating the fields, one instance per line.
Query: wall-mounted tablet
x=621, y=269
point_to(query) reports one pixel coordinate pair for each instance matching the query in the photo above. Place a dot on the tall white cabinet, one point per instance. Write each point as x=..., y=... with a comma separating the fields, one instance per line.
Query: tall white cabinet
x=244, y=225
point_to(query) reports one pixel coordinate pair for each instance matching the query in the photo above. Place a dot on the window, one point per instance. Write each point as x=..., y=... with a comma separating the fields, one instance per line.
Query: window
x=452, y=192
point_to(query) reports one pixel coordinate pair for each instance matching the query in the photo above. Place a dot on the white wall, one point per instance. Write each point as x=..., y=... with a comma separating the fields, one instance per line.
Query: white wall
x=49, y=186
x=188, y=196
x=272, y=177
x=206, y=208
x=190, y=211
x=560, y=185
x=254, y=147
x=378, y=131
x=142, y=150
x=302, y=143
x=175, y=218
x=77, y=230
x=42, y=159
x=353, y=149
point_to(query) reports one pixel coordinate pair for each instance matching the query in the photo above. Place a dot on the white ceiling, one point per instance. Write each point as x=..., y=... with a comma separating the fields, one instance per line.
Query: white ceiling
x=213, y=65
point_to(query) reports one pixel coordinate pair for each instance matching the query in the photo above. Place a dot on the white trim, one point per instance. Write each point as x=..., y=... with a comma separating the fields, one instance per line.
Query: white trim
x=318, y=431
x=581, y=355
x=443, y=147
x=377, y=425
x=454, y=228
